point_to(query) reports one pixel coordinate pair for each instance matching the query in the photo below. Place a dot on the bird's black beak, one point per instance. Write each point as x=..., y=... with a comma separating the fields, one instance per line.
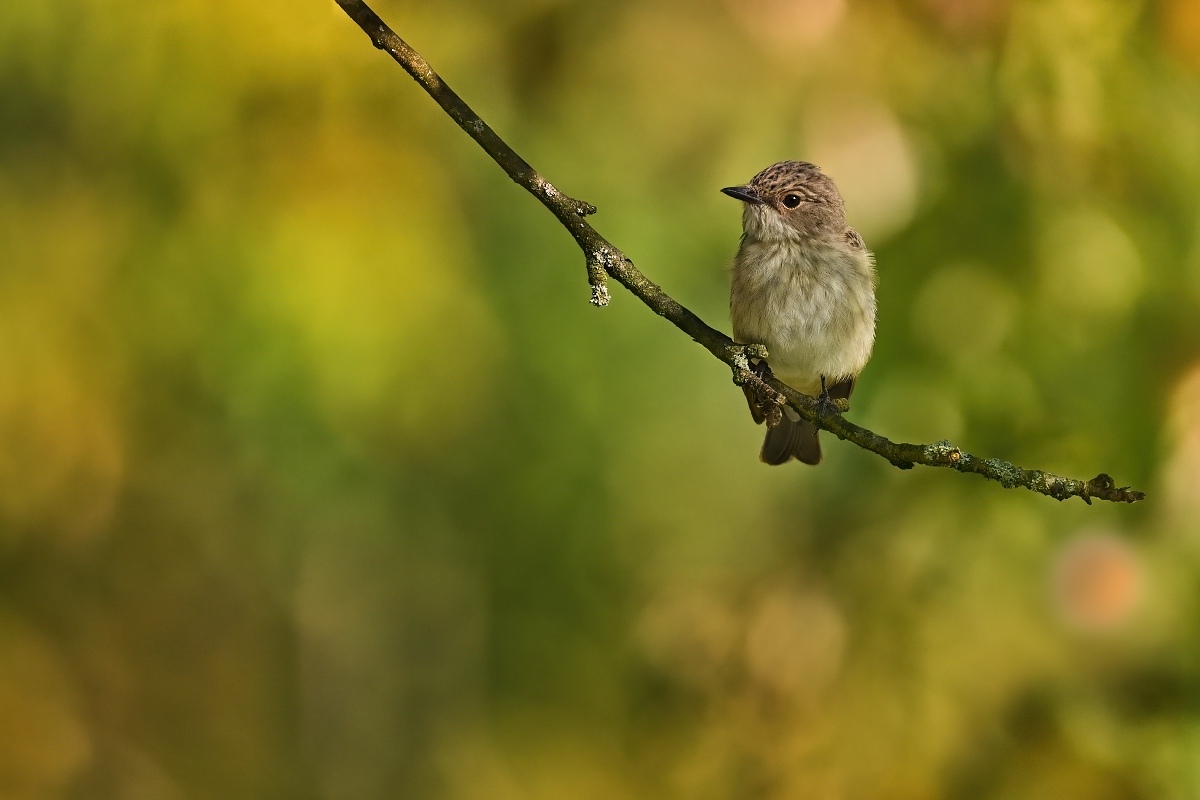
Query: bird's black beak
x=743, y=193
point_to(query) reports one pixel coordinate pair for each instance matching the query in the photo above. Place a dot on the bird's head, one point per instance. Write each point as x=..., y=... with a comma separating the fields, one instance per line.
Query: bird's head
x=790, y=200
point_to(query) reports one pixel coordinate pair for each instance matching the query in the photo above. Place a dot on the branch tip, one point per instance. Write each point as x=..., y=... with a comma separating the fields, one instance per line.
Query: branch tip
x=600, y=296
x=598, y=280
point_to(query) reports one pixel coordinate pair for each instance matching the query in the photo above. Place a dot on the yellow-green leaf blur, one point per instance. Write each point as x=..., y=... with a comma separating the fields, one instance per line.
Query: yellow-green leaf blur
x=320, y=478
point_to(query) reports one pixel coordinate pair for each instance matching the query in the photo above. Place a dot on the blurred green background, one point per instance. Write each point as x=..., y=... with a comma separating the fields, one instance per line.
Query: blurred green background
x=320, y=478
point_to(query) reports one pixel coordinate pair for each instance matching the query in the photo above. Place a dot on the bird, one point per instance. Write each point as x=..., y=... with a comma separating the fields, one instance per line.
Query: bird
x=803, y=285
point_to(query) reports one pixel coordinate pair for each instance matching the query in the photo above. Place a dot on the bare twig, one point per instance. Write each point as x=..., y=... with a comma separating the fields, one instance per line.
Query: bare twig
x=603, y=259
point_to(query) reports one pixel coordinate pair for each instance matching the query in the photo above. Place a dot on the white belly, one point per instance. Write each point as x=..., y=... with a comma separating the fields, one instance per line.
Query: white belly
x=812, y=305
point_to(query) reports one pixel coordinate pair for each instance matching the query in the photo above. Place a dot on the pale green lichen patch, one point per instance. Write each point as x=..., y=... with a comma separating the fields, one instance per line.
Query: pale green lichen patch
x=600, y=296
x=943, y=452
x=1006, y=474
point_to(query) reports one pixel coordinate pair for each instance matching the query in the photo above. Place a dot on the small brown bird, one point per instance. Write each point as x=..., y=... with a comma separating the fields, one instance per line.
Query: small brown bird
x=803, y=285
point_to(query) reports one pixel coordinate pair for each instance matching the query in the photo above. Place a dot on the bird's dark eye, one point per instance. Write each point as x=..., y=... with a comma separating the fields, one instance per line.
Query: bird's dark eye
x=791, y=200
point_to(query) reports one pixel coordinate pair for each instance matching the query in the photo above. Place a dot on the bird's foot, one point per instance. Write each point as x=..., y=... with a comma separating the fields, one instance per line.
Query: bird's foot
x=748, y=362
x=751, y=372
x=770, y=403
x=827, y=405
x=755, y=351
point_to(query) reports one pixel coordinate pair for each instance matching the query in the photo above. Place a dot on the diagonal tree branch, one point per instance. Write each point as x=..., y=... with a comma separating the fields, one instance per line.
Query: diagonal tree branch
x=604, y=260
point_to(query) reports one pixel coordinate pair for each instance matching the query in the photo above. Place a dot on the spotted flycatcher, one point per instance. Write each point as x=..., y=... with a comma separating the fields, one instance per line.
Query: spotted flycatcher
x=804, y=286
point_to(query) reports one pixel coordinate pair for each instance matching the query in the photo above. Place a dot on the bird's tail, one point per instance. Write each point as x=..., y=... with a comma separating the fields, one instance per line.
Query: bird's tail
x=796, y=438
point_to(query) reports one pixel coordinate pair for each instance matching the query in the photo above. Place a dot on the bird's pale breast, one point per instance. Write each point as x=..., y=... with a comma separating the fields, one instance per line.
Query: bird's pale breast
x=811, y=303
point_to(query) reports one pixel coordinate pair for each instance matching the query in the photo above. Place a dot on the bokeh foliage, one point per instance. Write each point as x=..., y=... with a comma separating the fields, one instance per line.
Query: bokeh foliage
x=320, y=478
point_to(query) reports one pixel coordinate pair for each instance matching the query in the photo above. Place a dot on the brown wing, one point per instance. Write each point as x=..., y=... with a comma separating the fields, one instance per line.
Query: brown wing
x=755, y=411
x=842, y=389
